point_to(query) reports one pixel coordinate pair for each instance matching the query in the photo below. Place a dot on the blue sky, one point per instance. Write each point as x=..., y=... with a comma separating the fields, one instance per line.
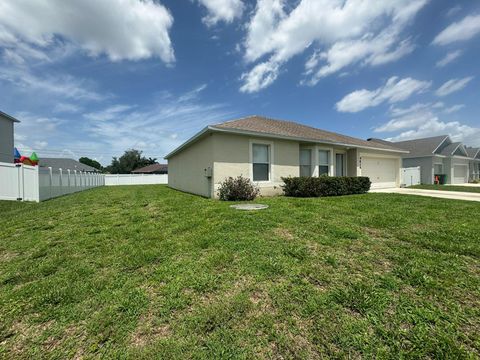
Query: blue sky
x=94, y=78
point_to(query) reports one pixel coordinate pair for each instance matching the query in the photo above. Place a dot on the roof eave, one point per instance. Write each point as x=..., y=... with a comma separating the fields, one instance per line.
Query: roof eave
x=9, y=117
x=275, y=136
x=445, y=138
x=188, y=142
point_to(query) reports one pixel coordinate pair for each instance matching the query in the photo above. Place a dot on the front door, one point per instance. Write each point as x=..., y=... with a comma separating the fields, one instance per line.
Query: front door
x=339, y=164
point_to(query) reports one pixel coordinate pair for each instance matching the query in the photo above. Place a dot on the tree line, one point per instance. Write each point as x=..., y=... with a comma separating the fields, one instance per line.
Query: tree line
x=130, y=160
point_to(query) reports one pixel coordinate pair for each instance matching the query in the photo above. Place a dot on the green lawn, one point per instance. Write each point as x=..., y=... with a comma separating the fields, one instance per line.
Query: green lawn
x=148, y=272
x=447, y=188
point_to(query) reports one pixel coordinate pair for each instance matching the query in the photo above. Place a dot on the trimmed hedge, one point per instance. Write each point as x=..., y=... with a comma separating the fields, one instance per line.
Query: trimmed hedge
x=325, y=186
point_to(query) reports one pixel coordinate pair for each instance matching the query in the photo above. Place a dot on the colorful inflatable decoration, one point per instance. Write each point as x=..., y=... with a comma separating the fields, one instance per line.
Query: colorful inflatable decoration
x=20, y=159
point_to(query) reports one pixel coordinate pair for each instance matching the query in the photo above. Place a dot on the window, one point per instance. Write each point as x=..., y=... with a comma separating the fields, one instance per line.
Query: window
x=323, y=162
x=339, y=164
x=261, y=162
x=438, y=169
x=305, y=162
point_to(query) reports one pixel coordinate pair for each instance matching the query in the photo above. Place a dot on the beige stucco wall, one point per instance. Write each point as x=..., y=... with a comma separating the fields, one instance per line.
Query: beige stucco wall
x=232, y=157
x=186, y=169
x=6, y=140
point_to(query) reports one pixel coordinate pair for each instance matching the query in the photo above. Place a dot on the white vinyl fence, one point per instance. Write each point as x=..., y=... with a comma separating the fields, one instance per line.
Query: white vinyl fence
x=31, y=183
x=411, y=176
x=135, y=179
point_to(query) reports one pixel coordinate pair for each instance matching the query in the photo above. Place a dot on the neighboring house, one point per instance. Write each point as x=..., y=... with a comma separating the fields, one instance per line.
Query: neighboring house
x=152, y=169
x=437, y=155
x=474, y=163
x=6, y=137
x=66, y=164
x=265, y=150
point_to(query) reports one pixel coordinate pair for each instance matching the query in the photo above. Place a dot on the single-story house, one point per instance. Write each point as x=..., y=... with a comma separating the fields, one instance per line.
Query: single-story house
x=437, y=155
x=474, y=163
x=152, y=169
x=265, y=150
x=66, y=164
x=6, y=137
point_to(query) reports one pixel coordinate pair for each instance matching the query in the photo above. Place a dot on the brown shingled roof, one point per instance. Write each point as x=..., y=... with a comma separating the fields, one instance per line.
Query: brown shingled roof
x=263, y=125
x=150, y=169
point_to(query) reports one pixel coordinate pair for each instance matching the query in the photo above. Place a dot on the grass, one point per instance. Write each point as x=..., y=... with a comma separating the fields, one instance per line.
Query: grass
x=149, y=272
x=471, y=189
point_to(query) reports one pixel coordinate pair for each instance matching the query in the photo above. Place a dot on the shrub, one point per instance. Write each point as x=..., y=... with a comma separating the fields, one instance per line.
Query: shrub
x=237, y=189
x=325, y=186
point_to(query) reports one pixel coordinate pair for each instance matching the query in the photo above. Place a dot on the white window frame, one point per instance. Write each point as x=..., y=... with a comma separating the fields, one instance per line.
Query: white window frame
x=270, y=158
x=312, y=162
x=330, y=160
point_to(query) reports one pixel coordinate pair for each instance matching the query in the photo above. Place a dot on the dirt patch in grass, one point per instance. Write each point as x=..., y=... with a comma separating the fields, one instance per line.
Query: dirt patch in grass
x=6, y=255
x=148, y=331
x=24, y=334
x=283, y=233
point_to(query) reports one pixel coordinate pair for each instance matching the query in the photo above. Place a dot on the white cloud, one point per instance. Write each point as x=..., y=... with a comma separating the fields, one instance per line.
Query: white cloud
x=452, y=86
x=121, y=29
x=222, y=10
x=65, y=86
x=341, y=33
x=422, y=120
x=458, y=132
x=451, y=56
x=454, y=10
x=156, y=128
x=260, y=77
x=395, y=90
x=463, y=30
x=454, y=108
x=66, y=108
x=109, y=113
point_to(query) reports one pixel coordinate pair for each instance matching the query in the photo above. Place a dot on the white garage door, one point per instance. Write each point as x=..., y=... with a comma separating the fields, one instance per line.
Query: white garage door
x=382, y=172
x=460, y=174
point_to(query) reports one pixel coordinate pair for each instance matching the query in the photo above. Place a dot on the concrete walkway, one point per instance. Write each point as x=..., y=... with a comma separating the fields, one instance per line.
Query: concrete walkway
x=454, y=195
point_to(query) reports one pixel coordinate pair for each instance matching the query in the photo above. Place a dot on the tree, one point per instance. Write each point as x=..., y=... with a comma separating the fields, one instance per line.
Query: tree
x=130, y=160
x=91, y=162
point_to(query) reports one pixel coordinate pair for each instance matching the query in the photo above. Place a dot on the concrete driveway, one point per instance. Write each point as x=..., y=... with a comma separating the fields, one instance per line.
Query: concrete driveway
x=454, y=195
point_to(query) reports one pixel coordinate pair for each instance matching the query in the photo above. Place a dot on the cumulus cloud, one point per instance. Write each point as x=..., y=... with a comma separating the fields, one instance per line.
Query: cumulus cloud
x=222, y=10
x=453, y=85
x=120, y=29
x=450, y=57
x=423, y=120
x=395, y=90
x=463, y=30
x=340, y=33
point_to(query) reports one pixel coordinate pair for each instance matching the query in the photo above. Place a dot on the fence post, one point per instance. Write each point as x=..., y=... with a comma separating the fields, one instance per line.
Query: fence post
x=37, y=183
x=60, y=173
x=69, y=185
x=50, y=178
x=20, y=182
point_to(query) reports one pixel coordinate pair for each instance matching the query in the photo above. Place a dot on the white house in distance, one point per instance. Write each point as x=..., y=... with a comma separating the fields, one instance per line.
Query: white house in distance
x=6, y=137
x=265, y=150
